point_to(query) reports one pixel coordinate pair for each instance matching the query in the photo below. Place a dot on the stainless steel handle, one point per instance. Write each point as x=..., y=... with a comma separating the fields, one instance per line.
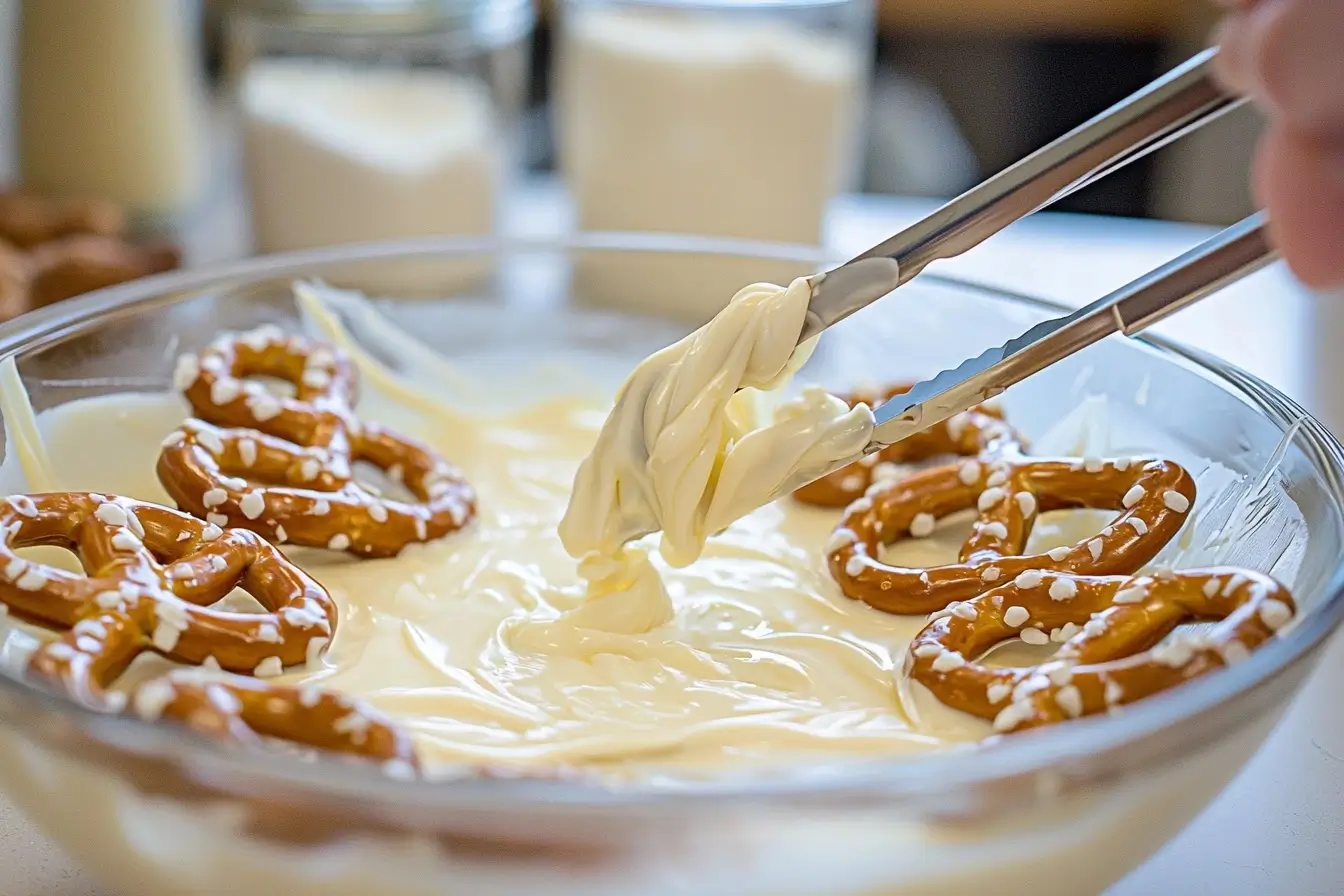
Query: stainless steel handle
x=1228, y=256
x=1235, y=252
x=1175, y=104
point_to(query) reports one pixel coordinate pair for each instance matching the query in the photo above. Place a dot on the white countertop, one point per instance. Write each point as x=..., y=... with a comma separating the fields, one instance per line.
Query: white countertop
x=1279, y=827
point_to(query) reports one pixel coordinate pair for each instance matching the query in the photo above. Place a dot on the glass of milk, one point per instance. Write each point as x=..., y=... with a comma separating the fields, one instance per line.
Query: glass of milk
x=729, y=119
x=377, y=120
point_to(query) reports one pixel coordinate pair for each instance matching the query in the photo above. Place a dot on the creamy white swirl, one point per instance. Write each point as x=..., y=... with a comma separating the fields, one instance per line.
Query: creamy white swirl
x=692, y=444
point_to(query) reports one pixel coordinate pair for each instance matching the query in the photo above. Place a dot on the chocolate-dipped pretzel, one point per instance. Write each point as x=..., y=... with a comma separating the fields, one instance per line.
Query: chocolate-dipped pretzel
x=151, y=576
x=980, y=432
x=1152, y=497
x=1112, y=629
x=283, y=467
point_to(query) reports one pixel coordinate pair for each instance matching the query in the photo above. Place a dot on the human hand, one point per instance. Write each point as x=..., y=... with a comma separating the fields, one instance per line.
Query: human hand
x=1286, y=55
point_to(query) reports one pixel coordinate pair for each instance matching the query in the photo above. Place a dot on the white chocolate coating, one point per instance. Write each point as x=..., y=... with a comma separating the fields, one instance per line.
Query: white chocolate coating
x=691, y=446
x=487, y=646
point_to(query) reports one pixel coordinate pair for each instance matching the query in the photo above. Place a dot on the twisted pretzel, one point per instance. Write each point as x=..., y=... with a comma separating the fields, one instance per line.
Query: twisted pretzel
x=1112, y=629
x=979, y=432
x=1152, y=497
x=284, y=468
x=151, y=575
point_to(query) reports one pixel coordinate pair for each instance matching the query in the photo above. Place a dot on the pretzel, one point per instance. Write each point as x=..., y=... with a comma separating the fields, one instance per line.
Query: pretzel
x=1152, y=497
x=69, y=266
x=54, y=249
x=151, y=574
x=979, y=432
x=73, y=265
x=13, y=282
x=283, y=467
x=29, y=219
x=1112, y=629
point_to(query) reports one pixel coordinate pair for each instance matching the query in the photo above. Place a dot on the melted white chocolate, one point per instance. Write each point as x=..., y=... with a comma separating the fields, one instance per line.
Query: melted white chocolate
x=488, y=647
x=691, y=445
x=21, y=429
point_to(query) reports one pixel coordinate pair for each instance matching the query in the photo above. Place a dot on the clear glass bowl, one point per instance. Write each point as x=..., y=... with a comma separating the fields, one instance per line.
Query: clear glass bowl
x=152, y=809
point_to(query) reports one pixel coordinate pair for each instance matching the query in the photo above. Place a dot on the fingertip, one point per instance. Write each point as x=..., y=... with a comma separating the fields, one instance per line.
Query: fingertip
x=1300, y=181
x=1285, y=54
x=1233, y=64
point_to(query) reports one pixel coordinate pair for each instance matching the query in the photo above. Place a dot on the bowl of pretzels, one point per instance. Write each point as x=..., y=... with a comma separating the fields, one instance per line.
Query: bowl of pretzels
x=1078, y=610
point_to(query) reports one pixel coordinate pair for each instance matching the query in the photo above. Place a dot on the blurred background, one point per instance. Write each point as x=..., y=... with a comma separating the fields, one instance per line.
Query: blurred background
x=142, y=134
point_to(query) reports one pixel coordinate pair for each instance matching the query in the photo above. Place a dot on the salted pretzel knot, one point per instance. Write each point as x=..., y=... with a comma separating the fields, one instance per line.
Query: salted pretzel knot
x=284, y=467
x=980, y=432
x=1112, y=629
x=1152, y=498
x=151, y=575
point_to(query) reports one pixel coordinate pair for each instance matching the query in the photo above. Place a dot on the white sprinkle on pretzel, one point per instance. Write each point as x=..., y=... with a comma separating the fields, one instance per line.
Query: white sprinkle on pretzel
x=209, y=440
x=1275, y=614
x=922, y=525
x=1030, y=578
x=271, y=667
x=1064, y=632
x=1134, y=594
x=187, y=371
x=252, y=504
x=125, y=540
x=1175, y=501
x=840, y=538
x=1063, y=589
x=947, y=661
x=989, y=498
x=1070, y=699
x=152, y=698
x=23, y=505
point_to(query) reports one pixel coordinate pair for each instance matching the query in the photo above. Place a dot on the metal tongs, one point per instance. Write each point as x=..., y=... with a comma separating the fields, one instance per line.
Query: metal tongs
x=1170, y=107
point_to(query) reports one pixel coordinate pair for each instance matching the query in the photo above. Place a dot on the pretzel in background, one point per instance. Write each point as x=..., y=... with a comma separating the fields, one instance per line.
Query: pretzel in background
x=283, y=467
x=1151, y=497
x=151, y=576
x=55, y=249
x=980, y=432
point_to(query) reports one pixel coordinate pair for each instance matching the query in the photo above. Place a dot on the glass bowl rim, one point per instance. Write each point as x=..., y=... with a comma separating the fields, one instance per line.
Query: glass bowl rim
x=862, y=779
